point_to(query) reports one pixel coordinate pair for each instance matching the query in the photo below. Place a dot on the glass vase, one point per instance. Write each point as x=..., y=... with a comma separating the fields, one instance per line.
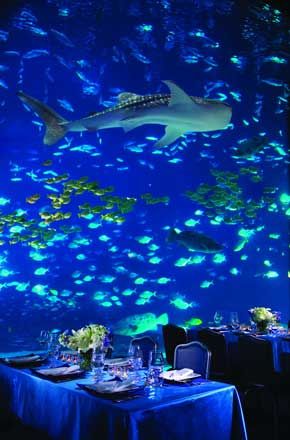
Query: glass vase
x=262, y=326
x=86, y=359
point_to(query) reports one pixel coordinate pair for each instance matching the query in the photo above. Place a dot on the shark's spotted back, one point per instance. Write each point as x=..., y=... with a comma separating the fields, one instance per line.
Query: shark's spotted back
x=135, y=102
x=177, y=111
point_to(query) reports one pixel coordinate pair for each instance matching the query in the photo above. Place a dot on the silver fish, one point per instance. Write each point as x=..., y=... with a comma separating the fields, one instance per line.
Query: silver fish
x=179, y=112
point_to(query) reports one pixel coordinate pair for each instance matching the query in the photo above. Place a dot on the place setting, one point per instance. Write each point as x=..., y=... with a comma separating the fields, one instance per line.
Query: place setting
x=24, y=361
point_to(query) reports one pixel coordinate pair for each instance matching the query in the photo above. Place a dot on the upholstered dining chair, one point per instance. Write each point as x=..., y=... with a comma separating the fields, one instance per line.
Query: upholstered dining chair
x=146, y=344
x=172, y=336
x=193, y=355
x=255, y=360
x=258, y=378
x=216, y=344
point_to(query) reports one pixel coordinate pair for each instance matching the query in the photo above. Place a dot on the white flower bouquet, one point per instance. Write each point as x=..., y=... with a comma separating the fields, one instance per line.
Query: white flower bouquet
x=86, y=338
x=262, y=316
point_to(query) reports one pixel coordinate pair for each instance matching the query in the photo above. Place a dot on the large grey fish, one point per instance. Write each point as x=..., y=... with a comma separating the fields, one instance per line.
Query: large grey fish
x=250, y=147
x=179, y=112
x=194, y=241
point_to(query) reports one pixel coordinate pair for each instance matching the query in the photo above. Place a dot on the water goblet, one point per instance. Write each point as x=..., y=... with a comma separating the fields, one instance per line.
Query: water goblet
x=53, y=348
x=43, y=339
x=218, y=317
x=234, y=320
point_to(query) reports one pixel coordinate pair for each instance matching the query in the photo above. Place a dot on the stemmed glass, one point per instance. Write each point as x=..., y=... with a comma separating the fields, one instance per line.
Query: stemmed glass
x=136, y=361
x=234, y=320
x=53, y=348
x=218, y=317
x=136, y=357
x=43, y=339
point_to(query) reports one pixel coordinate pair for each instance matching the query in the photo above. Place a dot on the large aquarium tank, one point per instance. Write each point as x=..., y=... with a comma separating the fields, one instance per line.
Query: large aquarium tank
x=143, y=172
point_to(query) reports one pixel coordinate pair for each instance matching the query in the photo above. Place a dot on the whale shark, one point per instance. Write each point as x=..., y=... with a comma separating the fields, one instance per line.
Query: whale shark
x=177, y=111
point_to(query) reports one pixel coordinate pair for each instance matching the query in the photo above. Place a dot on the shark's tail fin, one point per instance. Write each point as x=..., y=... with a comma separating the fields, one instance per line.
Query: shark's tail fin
x=55, y=129
x=172, y=235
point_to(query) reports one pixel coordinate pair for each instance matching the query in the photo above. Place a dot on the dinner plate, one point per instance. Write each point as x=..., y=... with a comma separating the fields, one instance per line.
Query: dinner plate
x=116, y=362
x=220, y=328
x=113, y=394
x=61, y=377
x=28, y=360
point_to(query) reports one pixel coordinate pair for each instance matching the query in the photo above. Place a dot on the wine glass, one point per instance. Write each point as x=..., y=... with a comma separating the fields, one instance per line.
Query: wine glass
x=218, y=317
x=234, y=320
x=136, y=362
x=136, y=356
x=53, y=348
x=43, y=339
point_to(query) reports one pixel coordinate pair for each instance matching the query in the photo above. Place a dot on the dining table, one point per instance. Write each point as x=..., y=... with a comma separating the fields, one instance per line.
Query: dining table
x=280, y=343
x=200, y=409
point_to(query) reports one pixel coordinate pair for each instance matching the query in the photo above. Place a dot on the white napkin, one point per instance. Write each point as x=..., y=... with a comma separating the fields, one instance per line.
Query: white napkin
x=178, y=375
x=59, y=371
x=113, y=386
x=23, y=359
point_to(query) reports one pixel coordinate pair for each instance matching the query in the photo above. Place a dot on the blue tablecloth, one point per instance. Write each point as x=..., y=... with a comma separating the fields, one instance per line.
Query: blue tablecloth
x=279, y=345
x=209, y=411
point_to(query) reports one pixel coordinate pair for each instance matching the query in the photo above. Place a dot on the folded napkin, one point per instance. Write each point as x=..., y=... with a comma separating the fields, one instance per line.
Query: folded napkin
x=59, y=371
x=178, y=375
x=113, y=386
x=23, y=359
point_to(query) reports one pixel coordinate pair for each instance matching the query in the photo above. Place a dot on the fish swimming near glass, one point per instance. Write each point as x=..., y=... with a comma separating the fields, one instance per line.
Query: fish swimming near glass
x=179, y=112
x=194, y=241
x=138, y=324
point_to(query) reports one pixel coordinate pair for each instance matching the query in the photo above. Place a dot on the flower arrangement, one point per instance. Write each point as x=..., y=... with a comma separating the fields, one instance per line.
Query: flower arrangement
x=93, y=337
x=262, y=316
x=86, y=338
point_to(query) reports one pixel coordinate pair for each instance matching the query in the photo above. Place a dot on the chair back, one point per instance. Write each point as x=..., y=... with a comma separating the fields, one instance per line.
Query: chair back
x=146, y=344
x=193, y=355
x=172, y=336
x=255, y=360
x=285, y=367
x=216, y=343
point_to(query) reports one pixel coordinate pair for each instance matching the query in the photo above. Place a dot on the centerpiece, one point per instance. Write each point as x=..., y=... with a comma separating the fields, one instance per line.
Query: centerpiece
x=87, y=340
x=262, y=317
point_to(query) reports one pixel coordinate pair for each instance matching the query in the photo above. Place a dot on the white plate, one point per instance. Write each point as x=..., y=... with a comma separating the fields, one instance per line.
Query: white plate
x=117, y=362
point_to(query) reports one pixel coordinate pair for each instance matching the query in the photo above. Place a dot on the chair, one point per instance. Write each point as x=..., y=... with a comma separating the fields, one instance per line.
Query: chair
x=285, y=368
x=193, y=355
x=216, y=343
x=257, y=375
x=255, y=360
x=146, y=344
x=172, y=336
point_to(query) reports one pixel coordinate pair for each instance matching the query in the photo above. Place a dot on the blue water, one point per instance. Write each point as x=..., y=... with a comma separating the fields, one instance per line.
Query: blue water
x=77, y=56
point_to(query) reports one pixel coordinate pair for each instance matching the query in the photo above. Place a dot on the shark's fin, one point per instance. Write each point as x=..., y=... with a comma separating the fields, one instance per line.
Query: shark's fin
x=177, y=95
x=172, y=235
x=125, y=96
x=55, y=124
x=130, y=124
x=171, y=134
